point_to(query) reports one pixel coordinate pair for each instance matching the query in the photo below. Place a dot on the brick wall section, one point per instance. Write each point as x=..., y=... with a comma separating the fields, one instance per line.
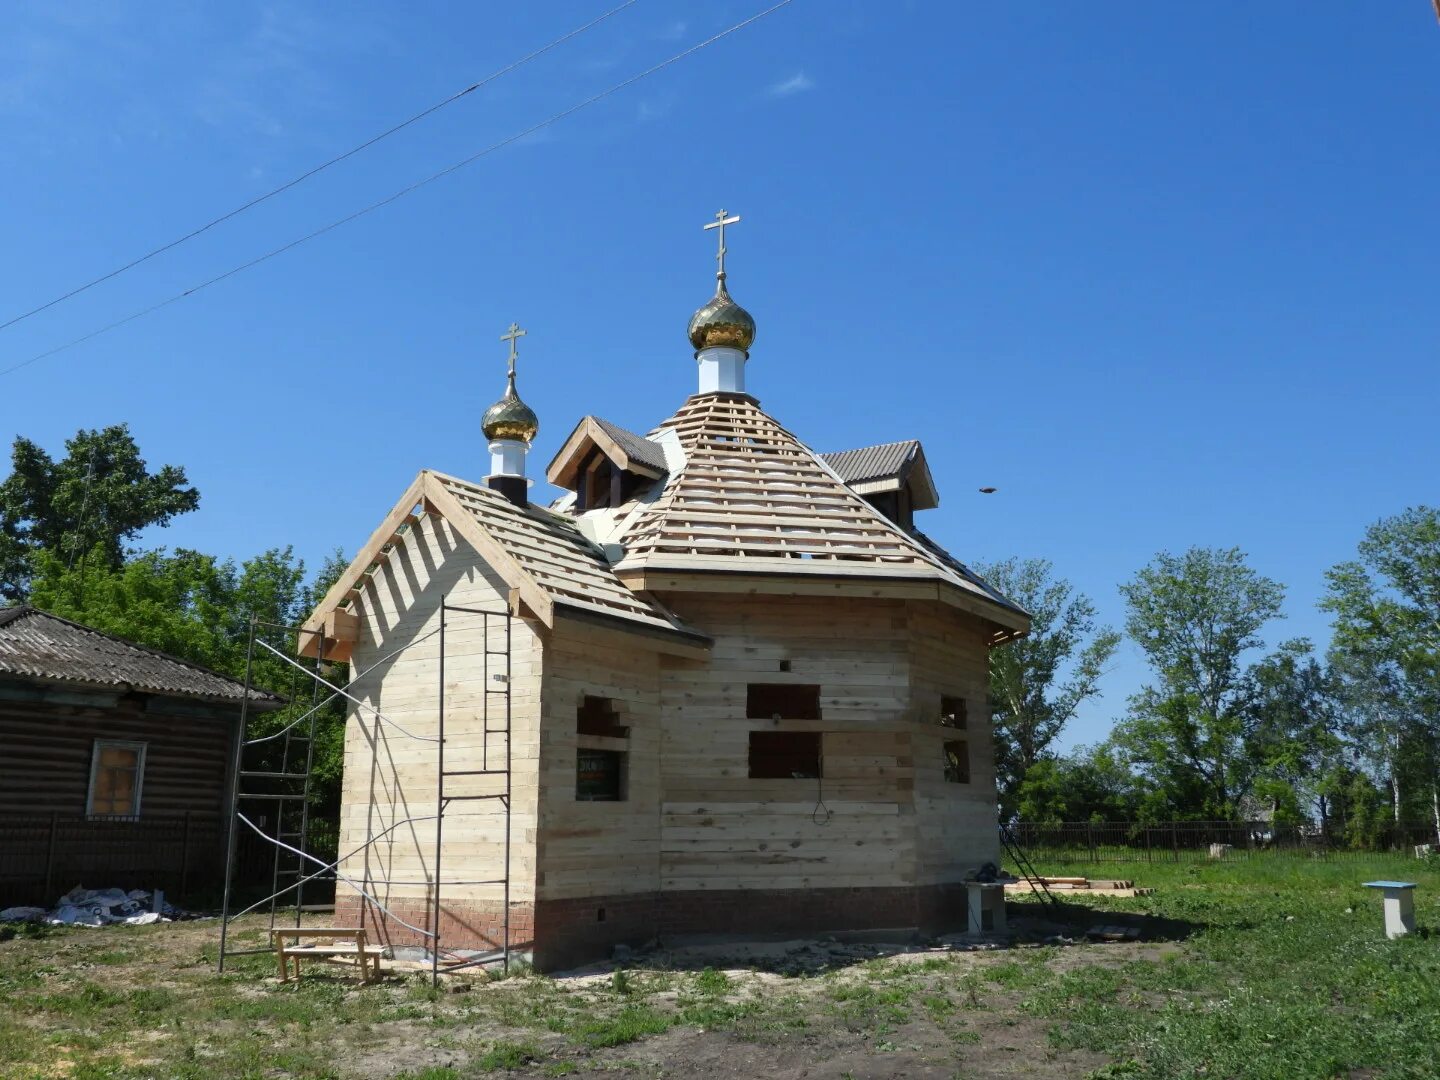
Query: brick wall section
x=465, y=925
x=567, y=933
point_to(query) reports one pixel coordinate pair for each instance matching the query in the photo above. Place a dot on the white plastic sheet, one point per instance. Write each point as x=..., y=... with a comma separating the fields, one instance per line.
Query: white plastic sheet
x=98, y=907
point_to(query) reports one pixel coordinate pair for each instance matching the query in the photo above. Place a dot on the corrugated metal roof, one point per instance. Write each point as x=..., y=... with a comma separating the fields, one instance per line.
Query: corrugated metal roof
x=637, y=446
x=872, y=462
x=39, y=645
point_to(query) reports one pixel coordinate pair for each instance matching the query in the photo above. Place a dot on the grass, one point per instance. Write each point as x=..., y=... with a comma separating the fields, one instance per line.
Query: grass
x=1283, y=972
x=1287, y=975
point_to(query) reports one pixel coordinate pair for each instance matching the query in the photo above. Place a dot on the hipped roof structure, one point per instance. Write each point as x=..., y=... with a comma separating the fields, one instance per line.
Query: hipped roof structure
x=752, y=499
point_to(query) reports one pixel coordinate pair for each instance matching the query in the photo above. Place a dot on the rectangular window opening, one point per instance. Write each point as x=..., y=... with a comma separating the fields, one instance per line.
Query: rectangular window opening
x=784, y=755
x=117, y=770
x=600, y=775
x=783, y=701
x=955, y=713
x=957, y=762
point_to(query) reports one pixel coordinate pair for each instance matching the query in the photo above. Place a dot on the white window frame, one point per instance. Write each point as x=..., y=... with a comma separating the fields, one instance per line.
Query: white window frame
x=117, y=744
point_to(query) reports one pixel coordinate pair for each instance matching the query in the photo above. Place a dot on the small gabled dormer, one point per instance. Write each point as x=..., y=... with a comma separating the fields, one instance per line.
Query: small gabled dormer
x=605, y=465
x=892, y=477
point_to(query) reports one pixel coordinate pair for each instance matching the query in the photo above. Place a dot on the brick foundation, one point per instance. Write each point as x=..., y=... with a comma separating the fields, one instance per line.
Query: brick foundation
x=465, y=925
x=567, y=933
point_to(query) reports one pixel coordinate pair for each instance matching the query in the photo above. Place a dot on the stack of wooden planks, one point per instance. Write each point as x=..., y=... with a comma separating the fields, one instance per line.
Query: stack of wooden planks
x=1106, y=887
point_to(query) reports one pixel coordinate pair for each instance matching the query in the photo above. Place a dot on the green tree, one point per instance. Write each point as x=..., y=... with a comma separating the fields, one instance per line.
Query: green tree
x=1039, y=681
x=1196, y=616
x=1090, y=784
x=1386, y=646
x=88, y=504
x=1293, y=735
x=179, y=602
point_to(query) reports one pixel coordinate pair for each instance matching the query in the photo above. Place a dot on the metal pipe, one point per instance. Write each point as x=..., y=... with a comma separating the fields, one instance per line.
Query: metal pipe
x=309, y=765
x=234, y=785
x=439, y=805
x=509, y=810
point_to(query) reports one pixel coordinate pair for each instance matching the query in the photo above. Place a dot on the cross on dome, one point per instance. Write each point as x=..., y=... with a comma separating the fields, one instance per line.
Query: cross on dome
x=719, y=223
x=510, y=418
x=513, y=335
x=722, y=322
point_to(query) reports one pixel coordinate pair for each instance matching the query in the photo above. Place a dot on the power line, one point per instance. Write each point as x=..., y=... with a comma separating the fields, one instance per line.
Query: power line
x=321, y=167
x=556, y=118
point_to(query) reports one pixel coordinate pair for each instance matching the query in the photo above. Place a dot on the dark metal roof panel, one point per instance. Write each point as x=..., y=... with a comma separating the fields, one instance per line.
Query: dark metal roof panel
x=872, y=462
x=637, y=446
x=36, y=644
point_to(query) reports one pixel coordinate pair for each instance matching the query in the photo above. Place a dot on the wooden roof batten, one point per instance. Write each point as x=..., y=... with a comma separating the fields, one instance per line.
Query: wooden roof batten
x=753, y=500
x=549, y=567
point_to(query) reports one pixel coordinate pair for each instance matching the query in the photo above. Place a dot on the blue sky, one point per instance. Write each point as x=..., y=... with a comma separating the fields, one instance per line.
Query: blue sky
x=1163, y=274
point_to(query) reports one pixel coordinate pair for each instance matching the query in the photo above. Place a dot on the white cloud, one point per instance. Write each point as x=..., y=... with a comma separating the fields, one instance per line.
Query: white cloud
x=795, y=84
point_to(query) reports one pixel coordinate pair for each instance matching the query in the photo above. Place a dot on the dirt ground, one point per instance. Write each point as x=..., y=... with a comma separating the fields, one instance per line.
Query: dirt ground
x=134, y=1002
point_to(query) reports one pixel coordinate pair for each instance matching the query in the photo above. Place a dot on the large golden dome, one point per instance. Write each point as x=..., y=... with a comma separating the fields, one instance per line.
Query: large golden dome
x=510, y=418
x=722, y=322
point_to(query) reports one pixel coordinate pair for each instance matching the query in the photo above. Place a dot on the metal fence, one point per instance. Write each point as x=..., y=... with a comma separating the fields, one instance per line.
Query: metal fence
x=1193, y=841
x=42, y=857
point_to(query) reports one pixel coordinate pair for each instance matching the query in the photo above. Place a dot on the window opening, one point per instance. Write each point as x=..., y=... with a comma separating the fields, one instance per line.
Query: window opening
x=117, y=770
x=954, y=712
x=957, y=762
x=783, y=701
x=600, y=775
x=785, y=755
x=597, y=716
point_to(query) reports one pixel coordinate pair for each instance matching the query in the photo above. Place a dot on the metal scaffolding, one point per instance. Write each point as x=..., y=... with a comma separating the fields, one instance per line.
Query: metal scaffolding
x=285, y=784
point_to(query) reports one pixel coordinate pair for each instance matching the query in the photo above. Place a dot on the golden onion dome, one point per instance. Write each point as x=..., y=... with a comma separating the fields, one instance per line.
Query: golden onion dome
x=722, y=322
x=510, y=418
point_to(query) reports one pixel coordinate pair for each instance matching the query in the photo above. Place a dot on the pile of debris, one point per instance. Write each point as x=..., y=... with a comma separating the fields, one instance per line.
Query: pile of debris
x=1080, y=884
x=100, y=907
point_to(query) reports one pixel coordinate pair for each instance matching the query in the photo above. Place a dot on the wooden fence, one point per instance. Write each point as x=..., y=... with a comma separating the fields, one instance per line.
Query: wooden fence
x=43, y=857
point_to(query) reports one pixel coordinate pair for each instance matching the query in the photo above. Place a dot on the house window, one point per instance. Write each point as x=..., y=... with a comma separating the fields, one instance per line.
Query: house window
x=599, y=775
x=784, y=755
x=116, y=772
x=954, y=713
x=957, y=762
x=784, y=701
x=597, y=716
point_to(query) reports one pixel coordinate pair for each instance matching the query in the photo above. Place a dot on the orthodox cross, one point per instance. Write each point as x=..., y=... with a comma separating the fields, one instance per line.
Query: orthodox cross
x=514, y=335
x=719, y=223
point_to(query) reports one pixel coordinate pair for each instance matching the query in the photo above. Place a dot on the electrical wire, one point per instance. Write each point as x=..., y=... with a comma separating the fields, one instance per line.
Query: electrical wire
x=457, y=166
x=193, y=233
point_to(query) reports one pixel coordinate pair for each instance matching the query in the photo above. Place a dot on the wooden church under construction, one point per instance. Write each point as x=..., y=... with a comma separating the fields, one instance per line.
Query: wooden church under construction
x=724, y=684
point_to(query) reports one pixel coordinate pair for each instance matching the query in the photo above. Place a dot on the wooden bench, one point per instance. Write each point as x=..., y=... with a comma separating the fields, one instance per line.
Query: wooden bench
x=325, y=943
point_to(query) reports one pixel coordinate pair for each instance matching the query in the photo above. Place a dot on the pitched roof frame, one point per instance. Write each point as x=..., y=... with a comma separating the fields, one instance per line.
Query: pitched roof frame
x=887, y=467
x=625, y=449
x=543, y=558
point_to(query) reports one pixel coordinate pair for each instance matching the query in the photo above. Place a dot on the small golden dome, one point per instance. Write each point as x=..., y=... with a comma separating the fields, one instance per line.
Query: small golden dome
x=510, y=418
x=722, y=322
